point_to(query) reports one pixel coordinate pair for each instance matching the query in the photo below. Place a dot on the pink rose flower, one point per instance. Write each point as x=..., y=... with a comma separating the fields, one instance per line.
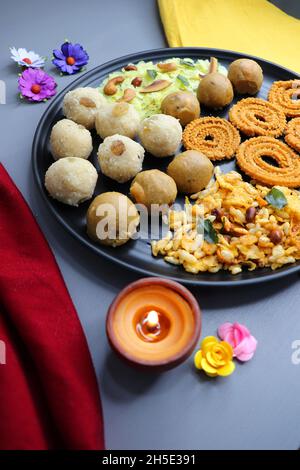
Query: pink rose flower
x=240, y=338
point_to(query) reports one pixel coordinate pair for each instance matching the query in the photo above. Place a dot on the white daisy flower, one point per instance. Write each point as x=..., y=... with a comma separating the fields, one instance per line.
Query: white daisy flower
x=27, y=58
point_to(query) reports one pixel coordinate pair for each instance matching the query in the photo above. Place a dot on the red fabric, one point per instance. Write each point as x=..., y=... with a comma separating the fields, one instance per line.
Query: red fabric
x=49, y=397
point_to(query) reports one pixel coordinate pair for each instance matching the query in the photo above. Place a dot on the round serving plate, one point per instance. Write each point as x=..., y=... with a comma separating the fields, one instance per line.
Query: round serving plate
x=136, y=254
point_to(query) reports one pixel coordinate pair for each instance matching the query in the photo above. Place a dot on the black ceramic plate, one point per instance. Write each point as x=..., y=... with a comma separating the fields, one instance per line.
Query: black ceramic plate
x=136, y=255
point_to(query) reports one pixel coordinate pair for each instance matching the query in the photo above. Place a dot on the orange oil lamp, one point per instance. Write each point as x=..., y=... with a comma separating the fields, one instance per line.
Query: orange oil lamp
x=154, y=323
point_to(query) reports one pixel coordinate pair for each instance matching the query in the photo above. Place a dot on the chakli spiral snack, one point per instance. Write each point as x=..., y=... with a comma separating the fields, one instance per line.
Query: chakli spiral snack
x=255, y=117
x=286, y=94
x=215, y=137
x=292, y=134
x=251, y=158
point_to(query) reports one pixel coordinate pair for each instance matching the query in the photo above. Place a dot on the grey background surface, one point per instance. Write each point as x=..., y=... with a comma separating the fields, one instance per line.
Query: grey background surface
x=259, y=405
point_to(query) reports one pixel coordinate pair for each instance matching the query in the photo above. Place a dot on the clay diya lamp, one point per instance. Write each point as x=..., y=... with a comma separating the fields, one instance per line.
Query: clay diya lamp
x=154, y=324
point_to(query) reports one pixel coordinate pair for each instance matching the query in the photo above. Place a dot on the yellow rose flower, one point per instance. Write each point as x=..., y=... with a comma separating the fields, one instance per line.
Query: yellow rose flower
x=215, y=357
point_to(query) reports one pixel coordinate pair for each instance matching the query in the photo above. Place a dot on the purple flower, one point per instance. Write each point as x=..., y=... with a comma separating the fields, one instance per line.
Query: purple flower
x=36, y=85
x=70, y=58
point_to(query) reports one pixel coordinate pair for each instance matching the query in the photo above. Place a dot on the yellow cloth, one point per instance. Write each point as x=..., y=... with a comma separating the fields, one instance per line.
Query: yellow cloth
x=248, y=26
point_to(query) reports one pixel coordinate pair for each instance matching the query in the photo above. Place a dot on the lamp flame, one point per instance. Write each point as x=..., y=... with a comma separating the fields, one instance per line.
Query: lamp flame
x=152, y=320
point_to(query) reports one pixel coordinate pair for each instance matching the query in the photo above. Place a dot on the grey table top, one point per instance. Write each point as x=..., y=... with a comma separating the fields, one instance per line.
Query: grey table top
x=259, y=405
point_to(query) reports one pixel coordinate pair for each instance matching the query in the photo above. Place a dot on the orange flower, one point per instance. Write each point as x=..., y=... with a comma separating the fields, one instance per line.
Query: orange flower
x=215, y=357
